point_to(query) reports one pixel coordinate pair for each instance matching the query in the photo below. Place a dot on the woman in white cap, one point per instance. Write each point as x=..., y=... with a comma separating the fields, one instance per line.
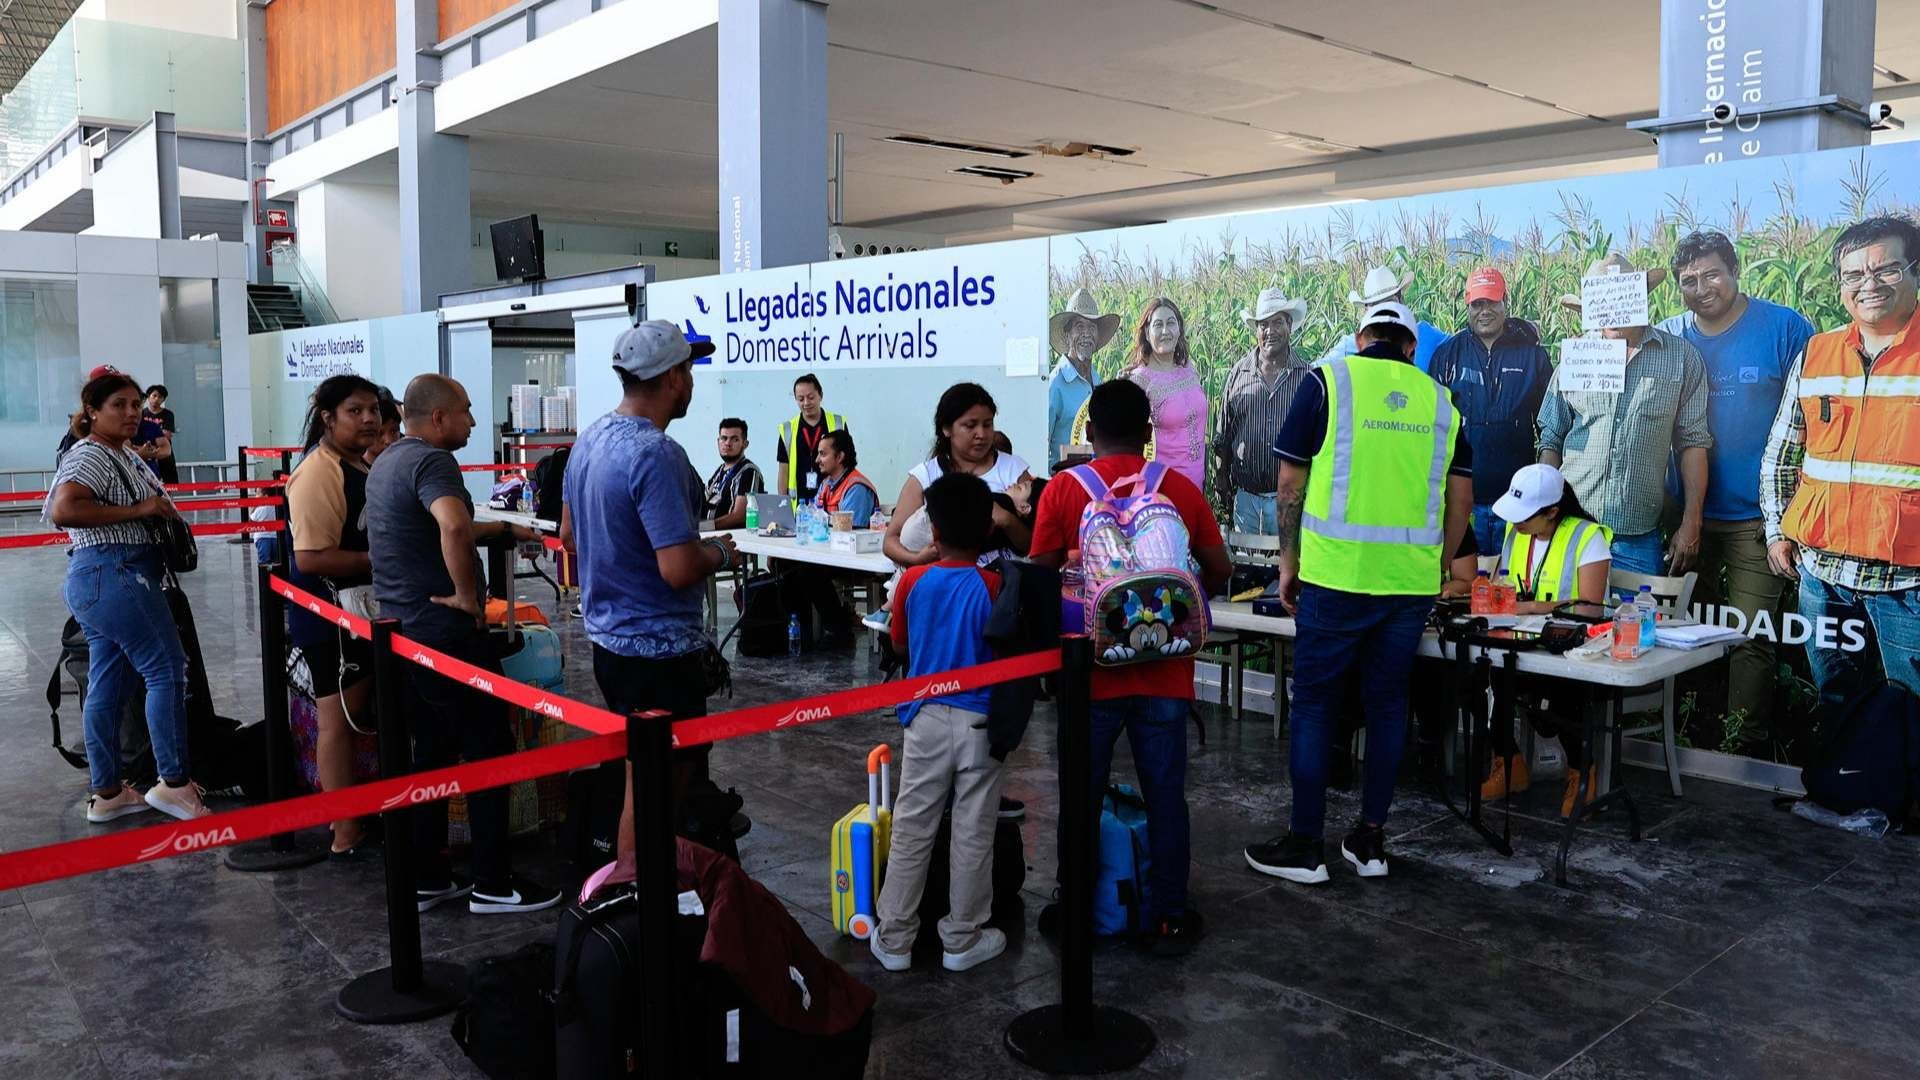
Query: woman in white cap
x=1160, y=365
x=1555, y=553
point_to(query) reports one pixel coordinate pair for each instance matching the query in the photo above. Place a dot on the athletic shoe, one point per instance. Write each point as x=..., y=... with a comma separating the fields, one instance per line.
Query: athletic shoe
x=1012, y=809
x=1296, y=858
x=991, y=944
x=519, y=895
x=877, y=621
x=890, y=961
x=1177, y=934
x=182, y=802
x=577, y=612
x=101, y=811
x=428, y=897
x=1366, y=848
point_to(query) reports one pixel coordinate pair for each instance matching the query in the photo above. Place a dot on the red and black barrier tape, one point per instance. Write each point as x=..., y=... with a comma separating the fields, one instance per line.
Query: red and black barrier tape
x=214, y=528
x=271, y=451
x=194, y=506
x=198, y=485
x=498, y=466
x=340, y=617
x=75, y=857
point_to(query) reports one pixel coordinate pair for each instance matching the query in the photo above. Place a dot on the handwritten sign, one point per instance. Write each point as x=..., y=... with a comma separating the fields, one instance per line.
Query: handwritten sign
x=1594, y=365
x=1609, y=301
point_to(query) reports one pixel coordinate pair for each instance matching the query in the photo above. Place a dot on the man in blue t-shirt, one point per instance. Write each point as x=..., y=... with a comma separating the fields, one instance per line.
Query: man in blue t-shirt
x=632, y=516
x=1749, y=346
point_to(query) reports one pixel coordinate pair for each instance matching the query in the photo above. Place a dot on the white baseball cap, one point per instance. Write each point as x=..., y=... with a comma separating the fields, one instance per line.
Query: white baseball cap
x=1390, y=314
x=1533, y=489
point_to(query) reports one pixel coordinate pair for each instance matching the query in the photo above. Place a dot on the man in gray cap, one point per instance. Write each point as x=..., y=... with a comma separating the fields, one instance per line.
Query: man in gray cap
x=632, y=515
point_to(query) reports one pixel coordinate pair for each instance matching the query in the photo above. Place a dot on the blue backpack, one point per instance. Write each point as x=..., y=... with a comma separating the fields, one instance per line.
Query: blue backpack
x=1120, y=884
x=1868, y=754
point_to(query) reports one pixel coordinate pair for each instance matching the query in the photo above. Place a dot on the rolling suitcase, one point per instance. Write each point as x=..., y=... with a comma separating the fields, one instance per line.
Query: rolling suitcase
x=861, y=841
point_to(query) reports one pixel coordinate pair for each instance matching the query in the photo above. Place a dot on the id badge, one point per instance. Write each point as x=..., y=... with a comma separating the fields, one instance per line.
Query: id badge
x=812, y=480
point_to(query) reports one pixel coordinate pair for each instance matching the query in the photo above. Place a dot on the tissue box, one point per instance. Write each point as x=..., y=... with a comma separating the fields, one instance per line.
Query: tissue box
x=857, y=542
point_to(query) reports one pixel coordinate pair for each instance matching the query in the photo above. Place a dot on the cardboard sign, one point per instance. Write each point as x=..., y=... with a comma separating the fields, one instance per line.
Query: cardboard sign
x=1594, y=365
x=1610, y=301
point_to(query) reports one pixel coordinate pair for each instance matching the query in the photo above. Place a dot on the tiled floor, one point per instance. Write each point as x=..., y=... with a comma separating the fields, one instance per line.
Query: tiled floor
x=1735, y=941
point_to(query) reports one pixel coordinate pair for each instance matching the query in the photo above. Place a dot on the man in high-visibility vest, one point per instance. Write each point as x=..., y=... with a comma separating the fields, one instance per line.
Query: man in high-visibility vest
x=1376, y=481
x=1840, y=478
x=799, y=471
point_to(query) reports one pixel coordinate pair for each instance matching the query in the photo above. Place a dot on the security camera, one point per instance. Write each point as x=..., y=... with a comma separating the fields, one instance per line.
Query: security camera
x=1723, y=113
x=836, y=247
x=1880, y=116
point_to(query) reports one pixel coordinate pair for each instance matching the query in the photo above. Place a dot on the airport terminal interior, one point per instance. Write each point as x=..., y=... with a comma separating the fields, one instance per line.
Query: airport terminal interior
x=1246, y=538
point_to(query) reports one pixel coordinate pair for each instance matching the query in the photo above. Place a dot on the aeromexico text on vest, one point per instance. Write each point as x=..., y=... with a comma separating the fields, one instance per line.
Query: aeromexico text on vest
x=887, y=340
x=1397, y=425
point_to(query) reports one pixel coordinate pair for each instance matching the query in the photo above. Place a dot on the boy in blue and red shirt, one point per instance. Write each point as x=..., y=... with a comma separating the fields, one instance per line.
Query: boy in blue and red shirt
x=939, y=622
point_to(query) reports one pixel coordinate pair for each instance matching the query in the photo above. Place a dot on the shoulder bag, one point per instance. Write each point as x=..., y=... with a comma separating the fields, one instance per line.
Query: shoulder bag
x=178, y=549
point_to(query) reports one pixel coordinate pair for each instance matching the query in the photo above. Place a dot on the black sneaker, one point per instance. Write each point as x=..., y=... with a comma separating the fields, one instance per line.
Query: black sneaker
x=1301, y=859
x=1012, y=809
x=516, y=896
x=1177, y=934
x=1366, y=848
x=429, y=897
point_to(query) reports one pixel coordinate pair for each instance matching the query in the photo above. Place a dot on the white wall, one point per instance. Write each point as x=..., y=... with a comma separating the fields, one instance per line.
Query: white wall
x=126, y=189
x=217, y=17
x=563, y=263
x=349, y=237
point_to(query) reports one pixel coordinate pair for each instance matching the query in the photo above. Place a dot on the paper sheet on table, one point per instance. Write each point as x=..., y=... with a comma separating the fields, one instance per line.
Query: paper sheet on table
x=1593, y=365
x=1692, y=637
x=1609, y=301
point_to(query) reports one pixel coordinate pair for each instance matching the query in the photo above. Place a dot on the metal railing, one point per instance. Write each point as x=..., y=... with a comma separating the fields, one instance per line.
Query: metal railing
x=291, y=270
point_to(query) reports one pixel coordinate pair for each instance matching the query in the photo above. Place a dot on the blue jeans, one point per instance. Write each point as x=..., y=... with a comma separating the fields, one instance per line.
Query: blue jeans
x=1258, y=514
x=1489, y=529
x=1893, y=629
x=1157, y=730
x=1640, y=554
x=114, y=592
x=1339, y=632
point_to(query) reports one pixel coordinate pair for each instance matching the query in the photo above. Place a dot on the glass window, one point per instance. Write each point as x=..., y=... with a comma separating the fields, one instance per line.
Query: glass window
x=39, y=368
x=190, y=366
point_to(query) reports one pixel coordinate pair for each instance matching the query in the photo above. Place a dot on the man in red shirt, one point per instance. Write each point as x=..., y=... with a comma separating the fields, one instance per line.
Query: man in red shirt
x=1149, y=701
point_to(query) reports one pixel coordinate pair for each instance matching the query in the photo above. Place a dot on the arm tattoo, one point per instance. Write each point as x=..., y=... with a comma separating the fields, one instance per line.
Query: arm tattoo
x=1291, y=500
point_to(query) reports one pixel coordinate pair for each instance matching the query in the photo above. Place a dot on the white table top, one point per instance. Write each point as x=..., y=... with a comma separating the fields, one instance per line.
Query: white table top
x=511, y=517
x=783, y=547
x=1655, y=666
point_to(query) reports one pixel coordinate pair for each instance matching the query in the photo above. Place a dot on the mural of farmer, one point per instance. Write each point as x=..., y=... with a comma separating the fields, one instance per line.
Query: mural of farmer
x=1613, y=448
x=1383, y=286
x=1076, y=334
x=1840, y=478
x=1259, y=392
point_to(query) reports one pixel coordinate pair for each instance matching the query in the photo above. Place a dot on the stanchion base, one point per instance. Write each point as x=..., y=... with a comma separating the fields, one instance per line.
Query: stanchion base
x=1119, y=1040
x=259, y=856
x=371, y=998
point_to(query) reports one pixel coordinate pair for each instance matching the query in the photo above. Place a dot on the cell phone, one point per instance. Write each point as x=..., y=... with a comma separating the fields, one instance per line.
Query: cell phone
x=1583, y=611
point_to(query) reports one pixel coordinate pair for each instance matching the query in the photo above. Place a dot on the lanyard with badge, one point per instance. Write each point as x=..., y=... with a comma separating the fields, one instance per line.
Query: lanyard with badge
x=812, y=438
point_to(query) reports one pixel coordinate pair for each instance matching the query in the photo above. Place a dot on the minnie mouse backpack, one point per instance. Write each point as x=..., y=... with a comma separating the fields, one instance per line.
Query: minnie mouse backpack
x=1136, y=593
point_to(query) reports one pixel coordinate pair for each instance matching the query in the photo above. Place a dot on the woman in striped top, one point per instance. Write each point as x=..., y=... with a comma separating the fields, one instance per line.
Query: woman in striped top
x=102, y=494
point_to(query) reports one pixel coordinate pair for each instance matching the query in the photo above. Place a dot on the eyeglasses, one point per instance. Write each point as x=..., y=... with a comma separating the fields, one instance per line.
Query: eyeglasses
x=1855, y=280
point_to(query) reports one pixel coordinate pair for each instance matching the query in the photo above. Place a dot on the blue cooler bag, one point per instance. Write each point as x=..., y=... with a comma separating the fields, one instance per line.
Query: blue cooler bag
x=1120, y=883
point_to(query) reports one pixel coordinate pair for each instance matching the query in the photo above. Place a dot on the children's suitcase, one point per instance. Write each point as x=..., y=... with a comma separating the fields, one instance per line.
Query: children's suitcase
x=861, y=841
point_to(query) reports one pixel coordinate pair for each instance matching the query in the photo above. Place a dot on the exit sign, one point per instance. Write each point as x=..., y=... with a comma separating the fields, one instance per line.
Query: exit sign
x=673, y=247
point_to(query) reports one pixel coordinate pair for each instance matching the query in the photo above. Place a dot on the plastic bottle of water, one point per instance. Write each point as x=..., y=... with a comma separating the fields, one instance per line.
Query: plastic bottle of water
x=753, y=514
x=822, y=525
x=1648, y=608
x=1626, y=631
x=803, y=524
x=793, y=635
x=1481, y=602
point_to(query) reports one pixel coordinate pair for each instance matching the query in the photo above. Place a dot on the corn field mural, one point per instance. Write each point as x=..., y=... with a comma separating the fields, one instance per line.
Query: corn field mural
x=1781, y=214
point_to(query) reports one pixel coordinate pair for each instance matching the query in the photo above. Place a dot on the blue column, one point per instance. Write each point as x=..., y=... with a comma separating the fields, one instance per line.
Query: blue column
x=773, y=133
x=435, y=211
x=1753, y=78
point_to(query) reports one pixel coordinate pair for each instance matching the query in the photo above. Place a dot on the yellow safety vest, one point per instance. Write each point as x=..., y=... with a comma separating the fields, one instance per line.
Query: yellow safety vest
x=1559, y=577
x=790, y=434
x=1373, y=522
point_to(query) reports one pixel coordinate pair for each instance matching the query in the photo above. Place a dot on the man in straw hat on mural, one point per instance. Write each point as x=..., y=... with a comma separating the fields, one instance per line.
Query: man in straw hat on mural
x=1613, y=448
x=1076, y=333
x=1259, y=391
x=1383, y=286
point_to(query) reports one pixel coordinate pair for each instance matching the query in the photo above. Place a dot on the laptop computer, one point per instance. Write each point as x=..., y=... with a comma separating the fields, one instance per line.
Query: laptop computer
x=774, y=510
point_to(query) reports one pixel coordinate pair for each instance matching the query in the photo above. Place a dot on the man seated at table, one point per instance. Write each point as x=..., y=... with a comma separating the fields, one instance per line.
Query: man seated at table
x=735, y=481
x=842, y=488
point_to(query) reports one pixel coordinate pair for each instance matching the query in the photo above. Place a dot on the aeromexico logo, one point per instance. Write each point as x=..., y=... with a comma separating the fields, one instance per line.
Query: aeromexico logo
x=422, y=793
x=805, y=716
x=695, y=335
x=1396, y=401
x=181, y=841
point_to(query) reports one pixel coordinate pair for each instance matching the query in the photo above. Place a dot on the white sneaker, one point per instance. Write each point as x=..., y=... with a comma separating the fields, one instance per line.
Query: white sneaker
x=182, y=802
x=890, y=961
x=991, y=944
x=100, y=811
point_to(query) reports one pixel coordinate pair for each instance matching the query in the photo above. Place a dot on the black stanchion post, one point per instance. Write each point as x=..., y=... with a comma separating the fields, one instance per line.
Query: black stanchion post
x=409, y=988
x=1076, y=1036
x=650, y=755
x=288, y=850
x=240, y=476
x=283, y=538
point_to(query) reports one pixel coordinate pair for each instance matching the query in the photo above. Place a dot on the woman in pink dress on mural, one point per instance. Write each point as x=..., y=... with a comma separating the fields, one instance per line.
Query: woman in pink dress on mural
x=1160, y=365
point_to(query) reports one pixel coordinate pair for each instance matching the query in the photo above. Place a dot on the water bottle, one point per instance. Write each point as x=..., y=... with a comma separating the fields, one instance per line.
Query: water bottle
x=1626, y=631
x=1505, y=596
x=1648, y=609
x=1482, y=595
x=822, y=525
x=793, y=635
x=803, y=525
x=753, y=514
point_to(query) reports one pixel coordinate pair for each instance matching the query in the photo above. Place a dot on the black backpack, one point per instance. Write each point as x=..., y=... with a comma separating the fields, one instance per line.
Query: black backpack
x=136, y=746
x=549, y=477
x=1869, y=754
x=767, y=602
x=506, y=1025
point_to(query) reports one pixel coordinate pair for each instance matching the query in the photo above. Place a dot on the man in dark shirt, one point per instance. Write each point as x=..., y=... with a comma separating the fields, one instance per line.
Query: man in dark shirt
x=736, y=480
x=160, y=417
x=420, y=536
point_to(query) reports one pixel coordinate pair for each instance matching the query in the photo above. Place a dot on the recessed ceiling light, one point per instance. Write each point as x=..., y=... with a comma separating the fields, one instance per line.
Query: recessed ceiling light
x=927, y=143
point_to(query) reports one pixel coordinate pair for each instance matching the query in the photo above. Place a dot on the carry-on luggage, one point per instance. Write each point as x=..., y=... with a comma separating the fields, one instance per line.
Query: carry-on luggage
x=531, y=653
x=1009, y=877
x=861, y=841
x=136, y=746
x=1868, y=754
x=1120, y=882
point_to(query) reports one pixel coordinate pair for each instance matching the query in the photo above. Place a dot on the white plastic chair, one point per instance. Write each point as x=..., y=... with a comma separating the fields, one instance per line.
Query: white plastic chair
x=1674, y=595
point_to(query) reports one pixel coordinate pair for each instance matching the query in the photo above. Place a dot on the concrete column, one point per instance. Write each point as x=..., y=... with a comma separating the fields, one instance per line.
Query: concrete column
x=435, y=205
x=253, y=35
x=1753, y=78
x=773, y=133
x=166, y=157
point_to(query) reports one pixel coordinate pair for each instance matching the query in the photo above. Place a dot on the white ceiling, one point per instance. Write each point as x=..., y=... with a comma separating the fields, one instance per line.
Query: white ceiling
x=1221, y=102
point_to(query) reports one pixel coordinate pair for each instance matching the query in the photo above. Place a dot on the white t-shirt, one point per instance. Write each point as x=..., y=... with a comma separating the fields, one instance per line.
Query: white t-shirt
x=1595, y=550
x=1006, y=471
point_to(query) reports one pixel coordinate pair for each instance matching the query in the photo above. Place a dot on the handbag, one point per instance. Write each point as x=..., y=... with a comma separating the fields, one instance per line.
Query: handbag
x=358, y=600
x=179, y=551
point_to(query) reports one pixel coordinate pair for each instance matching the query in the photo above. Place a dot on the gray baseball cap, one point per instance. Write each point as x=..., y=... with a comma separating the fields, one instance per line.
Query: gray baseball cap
x=655, y=347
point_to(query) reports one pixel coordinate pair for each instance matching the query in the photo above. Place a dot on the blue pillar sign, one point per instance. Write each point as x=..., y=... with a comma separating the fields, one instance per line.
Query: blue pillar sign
x=773, y=133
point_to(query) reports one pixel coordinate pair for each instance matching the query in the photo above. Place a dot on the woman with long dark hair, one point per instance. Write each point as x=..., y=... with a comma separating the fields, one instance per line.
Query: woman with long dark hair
x=963, y=441
x=103, y=494
x=1160, y=365
x=326, y=510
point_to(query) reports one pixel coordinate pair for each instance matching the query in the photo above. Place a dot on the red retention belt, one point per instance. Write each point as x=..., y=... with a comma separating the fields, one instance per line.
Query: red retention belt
x=197, y=505
x=272, y=451
x=199, y=485
x=352, y=624
x=55, y=861
x=502, y=466
x=216, y=528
